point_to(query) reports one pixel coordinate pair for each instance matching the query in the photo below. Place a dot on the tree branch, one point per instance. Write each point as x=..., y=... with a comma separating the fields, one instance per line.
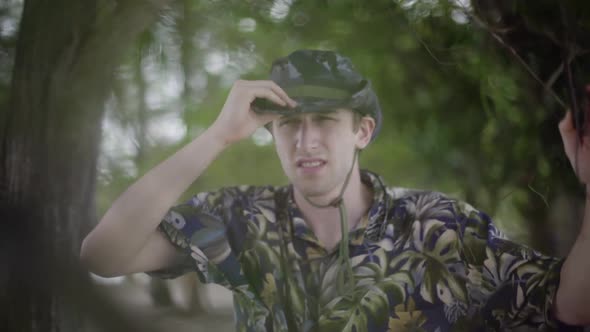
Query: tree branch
x=114, y=35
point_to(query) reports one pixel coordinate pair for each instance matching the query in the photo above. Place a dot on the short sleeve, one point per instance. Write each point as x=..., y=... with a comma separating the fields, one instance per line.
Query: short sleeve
x=206, y=231
x=512, y=284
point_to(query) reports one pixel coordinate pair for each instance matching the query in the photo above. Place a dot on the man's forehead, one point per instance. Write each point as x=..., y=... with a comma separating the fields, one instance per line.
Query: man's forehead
x=301, y=114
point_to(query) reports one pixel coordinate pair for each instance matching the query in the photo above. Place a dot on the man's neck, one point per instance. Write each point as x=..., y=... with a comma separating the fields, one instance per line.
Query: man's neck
x=325, y=222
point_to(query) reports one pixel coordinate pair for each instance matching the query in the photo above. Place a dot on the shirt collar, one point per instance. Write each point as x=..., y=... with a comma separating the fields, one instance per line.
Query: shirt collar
x=373, y=219
x=377, y=211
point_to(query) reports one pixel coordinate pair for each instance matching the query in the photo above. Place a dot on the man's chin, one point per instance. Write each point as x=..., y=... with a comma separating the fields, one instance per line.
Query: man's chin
x=315, y=191
x=306, y=187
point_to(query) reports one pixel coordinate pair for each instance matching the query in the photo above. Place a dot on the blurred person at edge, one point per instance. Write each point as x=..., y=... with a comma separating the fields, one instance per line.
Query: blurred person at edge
x=336, y=249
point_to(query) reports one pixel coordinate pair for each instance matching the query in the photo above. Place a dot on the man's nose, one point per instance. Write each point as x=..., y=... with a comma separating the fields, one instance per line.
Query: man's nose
x=307, y=135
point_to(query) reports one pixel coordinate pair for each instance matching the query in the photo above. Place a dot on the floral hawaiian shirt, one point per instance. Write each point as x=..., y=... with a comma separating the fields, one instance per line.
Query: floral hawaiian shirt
x=421, y=261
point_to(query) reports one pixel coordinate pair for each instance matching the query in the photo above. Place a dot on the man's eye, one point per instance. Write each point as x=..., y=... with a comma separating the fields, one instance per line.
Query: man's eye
x=287, y=122
x=324, y=118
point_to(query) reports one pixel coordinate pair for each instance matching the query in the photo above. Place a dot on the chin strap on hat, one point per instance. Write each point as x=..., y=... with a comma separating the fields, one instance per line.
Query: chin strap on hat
x=345, y=279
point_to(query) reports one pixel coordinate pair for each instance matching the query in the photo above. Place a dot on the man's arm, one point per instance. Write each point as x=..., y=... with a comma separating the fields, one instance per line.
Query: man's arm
x=112, y=246
x=126, y=240
x=572, y=302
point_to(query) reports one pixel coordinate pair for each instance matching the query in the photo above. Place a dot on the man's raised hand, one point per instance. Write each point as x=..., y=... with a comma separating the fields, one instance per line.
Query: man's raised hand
x=578, y=155
x=237, y=120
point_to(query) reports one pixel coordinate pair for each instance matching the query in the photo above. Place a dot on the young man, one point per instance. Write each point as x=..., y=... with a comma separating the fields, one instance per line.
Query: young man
x=336, y=250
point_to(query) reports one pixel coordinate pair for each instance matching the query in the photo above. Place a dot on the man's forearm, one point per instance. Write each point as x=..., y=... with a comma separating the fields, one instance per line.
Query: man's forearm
x=572, y=303
x=135, y=215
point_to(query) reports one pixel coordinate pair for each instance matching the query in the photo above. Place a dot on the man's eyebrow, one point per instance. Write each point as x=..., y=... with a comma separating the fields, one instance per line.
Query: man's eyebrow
x=288, y=116
x=331, y=112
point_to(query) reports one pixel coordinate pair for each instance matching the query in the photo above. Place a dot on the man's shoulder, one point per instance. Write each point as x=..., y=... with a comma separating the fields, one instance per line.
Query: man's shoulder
x=435, y=207
x=401, y=193
x=418, y=200
x=430, y=204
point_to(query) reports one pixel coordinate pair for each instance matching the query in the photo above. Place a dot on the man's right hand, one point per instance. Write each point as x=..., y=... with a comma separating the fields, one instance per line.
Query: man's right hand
x=237, y=120
x=125, y=240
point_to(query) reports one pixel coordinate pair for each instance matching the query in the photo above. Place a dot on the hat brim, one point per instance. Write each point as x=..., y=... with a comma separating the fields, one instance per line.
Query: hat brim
x=304, y=105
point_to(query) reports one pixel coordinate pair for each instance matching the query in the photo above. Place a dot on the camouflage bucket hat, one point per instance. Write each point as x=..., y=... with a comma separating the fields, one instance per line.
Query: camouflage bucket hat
x=321, y=81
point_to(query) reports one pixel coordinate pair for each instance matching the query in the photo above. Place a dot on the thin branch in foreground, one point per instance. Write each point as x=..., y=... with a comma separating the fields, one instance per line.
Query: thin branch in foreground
x=515, y=54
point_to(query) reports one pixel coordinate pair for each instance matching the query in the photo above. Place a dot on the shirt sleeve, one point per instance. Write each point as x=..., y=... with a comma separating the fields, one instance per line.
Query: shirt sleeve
x=513, y=284
x=206, y=232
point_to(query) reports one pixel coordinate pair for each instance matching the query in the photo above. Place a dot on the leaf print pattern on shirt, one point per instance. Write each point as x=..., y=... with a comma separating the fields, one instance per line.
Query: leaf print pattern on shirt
x=421, y=262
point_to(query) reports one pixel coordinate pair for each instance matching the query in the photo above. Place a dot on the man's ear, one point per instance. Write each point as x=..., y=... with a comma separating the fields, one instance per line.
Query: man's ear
x=365, y=131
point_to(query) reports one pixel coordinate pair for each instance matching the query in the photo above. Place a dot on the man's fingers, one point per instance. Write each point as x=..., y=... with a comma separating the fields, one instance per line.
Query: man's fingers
x=270, y=95
x=281, y=93
x=566, y=124
x=567, y=132
x=276, y=89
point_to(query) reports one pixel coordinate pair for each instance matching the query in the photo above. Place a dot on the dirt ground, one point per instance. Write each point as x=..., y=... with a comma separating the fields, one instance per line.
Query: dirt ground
x=132, y=298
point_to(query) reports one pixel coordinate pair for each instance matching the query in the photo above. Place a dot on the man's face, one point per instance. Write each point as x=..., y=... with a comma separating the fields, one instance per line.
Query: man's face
x=316, y=149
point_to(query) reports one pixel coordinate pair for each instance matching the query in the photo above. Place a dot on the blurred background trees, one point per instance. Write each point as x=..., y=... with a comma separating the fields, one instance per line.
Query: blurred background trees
x=99, y=93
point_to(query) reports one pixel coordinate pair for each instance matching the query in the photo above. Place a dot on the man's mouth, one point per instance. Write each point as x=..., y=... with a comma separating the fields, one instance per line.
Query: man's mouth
x=310, y=163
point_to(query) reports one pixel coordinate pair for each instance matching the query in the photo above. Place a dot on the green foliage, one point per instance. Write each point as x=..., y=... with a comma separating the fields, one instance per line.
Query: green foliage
x=460, y=115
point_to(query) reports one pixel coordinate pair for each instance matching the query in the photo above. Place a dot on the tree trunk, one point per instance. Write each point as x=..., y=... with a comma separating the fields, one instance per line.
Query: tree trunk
x=49, y=137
